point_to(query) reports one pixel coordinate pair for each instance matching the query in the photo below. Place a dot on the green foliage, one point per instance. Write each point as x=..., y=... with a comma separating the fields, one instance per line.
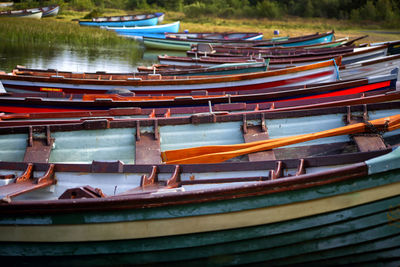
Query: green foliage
x=368, y=11
x=140, y=4
x=268, y=9
x=97, y=12
x=308, y=10
x=82, y=5
x=384, y=12
x=196, y=9
x=355, y=15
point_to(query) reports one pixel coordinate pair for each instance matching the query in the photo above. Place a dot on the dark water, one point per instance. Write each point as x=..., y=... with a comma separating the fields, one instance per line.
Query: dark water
x=80, y=59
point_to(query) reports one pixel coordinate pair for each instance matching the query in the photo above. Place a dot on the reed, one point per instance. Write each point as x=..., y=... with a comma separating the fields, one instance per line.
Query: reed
x=49, y=32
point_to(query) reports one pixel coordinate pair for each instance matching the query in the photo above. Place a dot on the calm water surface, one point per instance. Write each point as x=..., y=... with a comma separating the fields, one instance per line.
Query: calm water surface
x=79, y=59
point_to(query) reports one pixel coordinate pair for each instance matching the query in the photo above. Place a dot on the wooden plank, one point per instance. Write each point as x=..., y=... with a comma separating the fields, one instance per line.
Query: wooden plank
x=39, y=152
x=254, y=133
x=369, y=142
x=148, y=149
x=365, y=142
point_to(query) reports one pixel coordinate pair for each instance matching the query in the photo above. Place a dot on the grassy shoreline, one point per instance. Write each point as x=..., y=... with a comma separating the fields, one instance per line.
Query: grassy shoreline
x=62, y=30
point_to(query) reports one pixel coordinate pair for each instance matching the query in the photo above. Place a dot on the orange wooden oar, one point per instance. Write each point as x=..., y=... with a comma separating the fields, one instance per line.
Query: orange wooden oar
x=216, y=154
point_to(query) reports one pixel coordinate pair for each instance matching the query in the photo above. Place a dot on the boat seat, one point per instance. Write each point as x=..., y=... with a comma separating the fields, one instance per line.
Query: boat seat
x=365, y=141
x=27, y=183
x=205, y=48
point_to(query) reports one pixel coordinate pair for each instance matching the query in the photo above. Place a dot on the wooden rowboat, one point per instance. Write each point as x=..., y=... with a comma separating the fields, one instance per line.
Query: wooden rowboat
x=186, y=44
x=48, y=11
x=195, y=70
x=156, y=84
x=275, y=52
x=342, y=45
x=180, y=132
x=231, y=36
x=128, y=20
x=278, y=62
x=227, y=101
x=6, y=4
x=21, y=14
x=375, y=66
x=165, y=70
x=146, y=30
x=315, y=198
x=34, y=115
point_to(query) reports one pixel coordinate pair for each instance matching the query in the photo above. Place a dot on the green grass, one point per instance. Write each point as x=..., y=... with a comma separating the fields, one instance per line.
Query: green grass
x=62, y=30
x=52, y=31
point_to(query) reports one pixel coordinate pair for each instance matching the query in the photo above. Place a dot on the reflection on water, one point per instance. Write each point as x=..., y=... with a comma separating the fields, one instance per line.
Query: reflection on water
x=79, y=59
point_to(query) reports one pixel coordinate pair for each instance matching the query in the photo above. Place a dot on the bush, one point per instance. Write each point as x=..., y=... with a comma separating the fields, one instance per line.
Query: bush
x=140, y=4
x=82, y=5
x=368, y=11
x=196, y=9
x=268, y=9
x=97, y=12
x=355, y=15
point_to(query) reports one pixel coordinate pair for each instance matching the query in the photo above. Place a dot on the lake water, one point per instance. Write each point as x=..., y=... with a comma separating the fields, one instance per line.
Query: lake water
x=79, y=59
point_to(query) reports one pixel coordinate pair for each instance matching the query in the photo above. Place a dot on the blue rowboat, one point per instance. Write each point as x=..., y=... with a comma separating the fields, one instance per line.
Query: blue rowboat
x=120, y=21
x=300, y=41
x=144, y=30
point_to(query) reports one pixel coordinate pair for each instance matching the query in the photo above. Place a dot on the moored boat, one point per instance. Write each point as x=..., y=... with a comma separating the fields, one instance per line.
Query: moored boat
x=120, y=21
x=6, y=4
x=320, y=197
x=194, y=70
x=375, y=66
x=22, y=14
x=280, y=61
x=250, y=36
x=182, y=44
x=155, y=84
x=360, y=91
x=146, y=30
x=243, y=47
x=48, y=11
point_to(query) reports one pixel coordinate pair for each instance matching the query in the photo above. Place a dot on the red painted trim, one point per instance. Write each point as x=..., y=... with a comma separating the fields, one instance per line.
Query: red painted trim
x=350, y=91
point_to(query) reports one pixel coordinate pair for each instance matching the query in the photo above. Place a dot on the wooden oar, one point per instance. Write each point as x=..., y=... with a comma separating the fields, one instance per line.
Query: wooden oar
x=216, y=154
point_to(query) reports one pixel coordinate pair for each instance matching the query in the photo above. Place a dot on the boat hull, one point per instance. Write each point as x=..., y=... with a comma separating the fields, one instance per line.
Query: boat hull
x=143, y=31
